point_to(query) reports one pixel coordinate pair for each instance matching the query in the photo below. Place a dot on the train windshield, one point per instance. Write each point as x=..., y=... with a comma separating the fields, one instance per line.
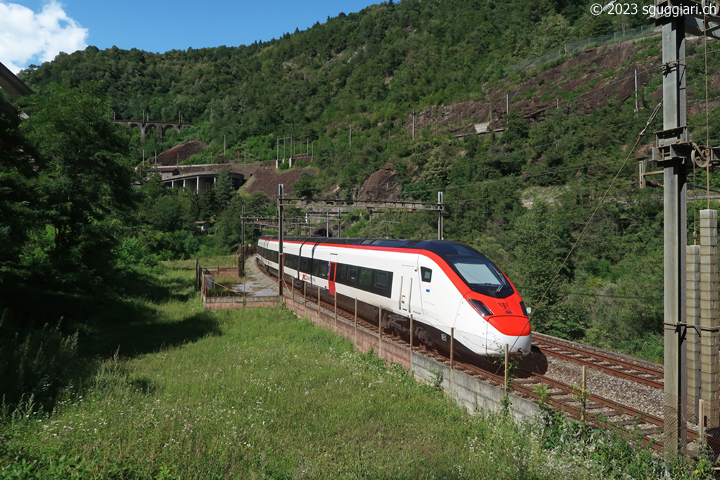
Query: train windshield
x=482, y=275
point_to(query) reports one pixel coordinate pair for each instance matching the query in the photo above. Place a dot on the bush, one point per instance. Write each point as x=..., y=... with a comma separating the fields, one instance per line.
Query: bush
x=35, y=364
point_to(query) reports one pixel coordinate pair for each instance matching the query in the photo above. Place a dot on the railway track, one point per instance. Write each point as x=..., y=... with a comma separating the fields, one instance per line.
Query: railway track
x=584, y=406
x=569, y=399
x=613, y=364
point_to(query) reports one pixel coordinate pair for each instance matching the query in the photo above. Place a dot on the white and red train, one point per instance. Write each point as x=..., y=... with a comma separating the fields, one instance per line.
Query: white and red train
x=443, y=284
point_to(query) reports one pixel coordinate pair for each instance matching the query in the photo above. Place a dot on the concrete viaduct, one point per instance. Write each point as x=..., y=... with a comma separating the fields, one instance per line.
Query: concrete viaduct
x=161, y=126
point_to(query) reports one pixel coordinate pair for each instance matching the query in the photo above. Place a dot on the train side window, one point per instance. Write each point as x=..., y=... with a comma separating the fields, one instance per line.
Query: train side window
x=304, y=264
x=324, y=269
x=426, y=274
x=365, y=276
x=352, y=274
x=381, y=279
x=320, y=268
x=343, y=271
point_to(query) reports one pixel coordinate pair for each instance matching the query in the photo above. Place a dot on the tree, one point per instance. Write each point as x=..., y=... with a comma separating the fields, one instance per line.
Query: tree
x=86, y=183
x=173, y=212
x=306, y=186
x=540, y=248
x=224, y=189
x=19, y=206
x=208, y=207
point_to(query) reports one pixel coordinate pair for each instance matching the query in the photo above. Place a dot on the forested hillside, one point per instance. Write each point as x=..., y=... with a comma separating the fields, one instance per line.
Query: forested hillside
x=367, y=68
x=353, y=87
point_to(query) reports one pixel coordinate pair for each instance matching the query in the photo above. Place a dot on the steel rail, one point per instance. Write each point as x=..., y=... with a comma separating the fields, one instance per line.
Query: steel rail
x=592, y=358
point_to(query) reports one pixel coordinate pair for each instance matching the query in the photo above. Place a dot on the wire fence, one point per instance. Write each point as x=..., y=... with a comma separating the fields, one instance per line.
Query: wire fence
x=227, y=287
x=571, y=48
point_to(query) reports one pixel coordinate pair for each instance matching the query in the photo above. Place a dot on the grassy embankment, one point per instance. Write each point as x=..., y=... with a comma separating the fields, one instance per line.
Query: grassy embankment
x=263, y=394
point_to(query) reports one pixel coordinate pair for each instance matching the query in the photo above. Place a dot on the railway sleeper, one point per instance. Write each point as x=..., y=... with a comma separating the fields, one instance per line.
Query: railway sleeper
x=525, y=381
x=612, y=413
x=559, y=394
x=629, y=421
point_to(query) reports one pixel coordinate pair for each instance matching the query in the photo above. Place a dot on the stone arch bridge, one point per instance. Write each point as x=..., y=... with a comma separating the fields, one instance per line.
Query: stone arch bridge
x=160, y=126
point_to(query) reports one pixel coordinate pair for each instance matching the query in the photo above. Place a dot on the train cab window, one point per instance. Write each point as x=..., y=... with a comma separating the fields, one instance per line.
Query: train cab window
x=381, y=279
x=365, y=276
x=352, y=274
x=482, y=275
x=426, y=274
x=342, y=271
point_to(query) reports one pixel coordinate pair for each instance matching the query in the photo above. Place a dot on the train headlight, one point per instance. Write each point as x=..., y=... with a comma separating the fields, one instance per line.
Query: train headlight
x=480, y=307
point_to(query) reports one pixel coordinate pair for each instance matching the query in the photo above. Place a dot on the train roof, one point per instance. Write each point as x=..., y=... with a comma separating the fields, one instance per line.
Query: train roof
x=439, y=247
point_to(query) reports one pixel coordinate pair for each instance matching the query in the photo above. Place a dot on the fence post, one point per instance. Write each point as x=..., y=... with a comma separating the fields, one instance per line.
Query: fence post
x=452, y=354
x=583, y=395
x=197, y=274
x=701, y=421
x=202, y=290
x=411, y=339
x=355, y=323
x=380, y=332
x=507, y=371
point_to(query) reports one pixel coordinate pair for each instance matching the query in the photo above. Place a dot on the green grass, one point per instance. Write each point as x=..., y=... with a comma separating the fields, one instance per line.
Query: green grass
x=261, y=394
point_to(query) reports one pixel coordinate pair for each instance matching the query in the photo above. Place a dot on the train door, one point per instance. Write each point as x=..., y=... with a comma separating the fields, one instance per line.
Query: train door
x=408, y=282
x=428, y=289
x=332, y=272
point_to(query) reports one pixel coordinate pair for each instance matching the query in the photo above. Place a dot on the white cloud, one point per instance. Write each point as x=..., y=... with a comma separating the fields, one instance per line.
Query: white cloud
x=28, y=37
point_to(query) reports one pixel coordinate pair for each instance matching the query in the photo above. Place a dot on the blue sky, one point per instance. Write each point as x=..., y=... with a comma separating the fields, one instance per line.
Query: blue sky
x=33, y=31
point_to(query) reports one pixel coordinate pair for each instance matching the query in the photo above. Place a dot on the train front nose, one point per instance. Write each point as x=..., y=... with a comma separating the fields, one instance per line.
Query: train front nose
x=504, y=329
x=483, y=333
x=517, y=344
